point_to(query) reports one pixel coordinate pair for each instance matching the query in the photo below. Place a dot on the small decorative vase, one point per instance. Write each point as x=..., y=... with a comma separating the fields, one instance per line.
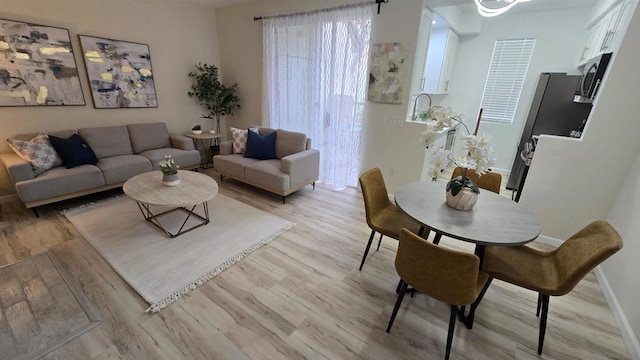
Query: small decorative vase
x=170, y=179
x=465, y=199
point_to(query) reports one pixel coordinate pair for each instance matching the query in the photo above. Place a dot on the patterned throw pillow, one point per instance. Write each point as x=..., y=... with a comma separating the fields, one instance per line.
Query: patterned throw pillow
x=38, y=152
x=240, y=139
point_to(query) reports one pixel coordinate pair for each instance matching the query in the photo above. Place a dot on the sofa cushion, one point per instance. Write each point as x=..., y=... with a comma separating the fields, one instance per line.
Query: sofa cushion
x=232, y=165
x=60, y=181
x=118, y=169
x=261, y=147
x=74, y=151
x=38, y=152
x=267, y=173
x=289, y=142
x=239, y=137
x=149, y=136
x=108, y=141
x=183, y=158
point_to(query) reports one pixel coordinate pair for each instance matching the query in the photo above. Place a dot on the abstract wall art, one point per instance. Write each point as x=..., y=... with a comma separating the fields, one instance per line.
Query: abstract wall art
x=119, y=72
x=387, y=68
x=37, y=66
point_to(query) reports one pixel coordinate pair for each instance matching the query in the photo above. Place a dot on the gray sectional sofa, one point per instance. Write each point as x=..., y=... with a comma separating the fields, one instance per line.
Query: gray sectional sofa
x=296, y=165
x=122, y=152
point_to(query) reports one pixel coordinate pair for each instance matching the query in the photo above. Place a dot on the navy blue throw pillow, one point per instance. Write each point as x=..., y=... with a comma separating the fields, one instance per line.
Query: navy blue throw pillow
x=74, y=151
x=261, y=147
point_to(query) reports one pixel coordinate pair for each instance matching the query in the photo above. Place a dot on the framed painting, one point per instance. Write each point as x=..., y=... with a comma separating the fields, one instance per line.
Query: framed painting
x=37, y=66
x=387, y=68
x=119, y=72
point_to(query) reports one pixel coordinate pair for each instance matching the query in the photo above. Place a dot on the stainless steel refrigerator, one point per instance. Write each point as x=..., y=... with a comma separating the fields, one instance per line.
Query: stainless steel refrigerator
x=552, y=112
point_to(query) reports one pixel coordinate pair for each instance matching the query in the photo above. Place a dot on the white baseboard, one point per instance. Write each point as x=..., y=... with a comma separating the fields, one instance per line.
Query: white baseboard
x=548, y=240
x=629, y=336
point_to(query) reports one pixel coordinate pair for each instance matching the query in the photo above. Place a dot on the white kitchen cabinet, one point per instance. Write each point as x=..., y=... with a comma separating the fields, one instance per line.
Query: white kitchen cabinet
x=604, y=36
x=421, y=51
x=619, y=21
x=441, y=54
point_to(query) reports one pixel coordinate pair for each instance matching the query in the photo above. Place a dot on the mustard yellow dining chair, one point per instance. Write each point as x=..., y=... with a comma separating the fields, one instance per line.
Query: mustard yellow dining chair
x=490, y=180
x=383, y=216
x=556, y=272
x=445, y=274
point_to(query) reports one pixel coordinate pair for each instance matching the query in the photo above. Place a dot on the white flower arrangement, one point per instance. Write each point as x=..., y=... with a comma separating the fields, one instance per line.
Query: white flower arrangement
x=438, y=118
x=477, y=157
x=168, y=166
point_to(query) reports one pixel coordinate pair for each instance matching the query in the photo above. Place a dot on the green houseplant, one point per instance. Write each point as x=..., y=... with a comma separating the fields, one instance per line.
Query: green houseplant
x=216, y=97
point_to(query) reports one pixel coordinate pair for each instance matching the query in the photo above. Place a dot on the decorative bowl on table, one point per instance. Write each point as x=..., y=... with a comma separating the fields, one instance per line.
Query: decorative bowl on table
x=196, y=132
x=212, y=131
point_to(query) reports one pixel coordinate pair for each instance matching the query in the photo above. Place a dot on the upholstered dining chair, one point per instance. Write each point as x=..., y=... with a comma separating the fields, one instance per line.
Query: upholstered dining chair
x=556, y=272
x=490, y=180
x=383, y=216
x=445, y=274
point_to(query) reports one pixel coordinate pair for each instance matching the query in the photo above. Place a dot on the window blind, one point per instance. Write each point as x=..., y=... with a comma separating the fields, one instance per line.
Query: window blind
x=508, y=69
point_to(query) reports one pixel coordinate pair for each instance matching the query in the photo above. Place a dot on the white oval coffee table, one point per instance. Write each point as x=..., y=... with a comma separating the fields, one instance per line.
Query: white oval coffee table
x=194, y=189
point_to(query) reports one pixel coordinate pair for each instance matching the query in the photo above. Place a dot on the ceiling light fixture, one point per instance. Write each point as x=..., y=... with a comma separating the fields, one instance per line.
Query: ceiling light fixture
x=501, y=6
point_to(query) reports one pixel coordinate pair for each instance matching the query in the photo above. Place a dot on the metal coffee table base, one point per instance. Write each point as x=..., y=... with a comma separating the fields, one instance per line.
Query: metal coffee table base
x=155, y=218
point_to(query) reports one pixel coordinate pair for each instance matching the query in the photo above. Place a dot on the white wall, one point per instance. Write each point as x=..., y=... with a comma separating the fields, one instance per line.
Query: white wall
x=573, y=182
x=559, y=36
x=179, y=35
x=390, y=143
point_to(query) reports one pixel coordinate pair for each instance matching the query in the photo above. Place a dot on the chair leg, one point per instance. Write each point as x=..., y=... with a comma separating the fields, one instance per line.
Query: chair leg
x=472, y=311
x=436, y=239
x=379, y=242
x=35, y=211
x=399, y=286
x=452, y=326
x=543, y=322
x=314, y=185
x=539, y=304
x=366, y=250
x=403, y=289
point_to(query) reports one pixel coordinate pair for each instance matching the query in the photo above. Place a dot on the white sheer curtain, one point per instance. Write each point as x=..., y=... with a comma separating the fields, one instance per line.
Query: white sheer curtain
x=315, y=81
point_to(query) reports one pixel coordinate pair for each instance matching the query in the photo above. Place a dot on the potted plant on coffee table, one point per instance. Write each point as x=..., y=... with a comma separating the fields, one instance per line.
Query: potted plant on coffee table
x=217, y=98
x=169, y=168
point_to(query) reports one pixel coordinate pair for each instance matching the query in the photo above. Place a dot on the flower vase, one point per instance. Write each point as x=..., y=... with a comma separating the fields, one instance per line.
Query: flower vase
x=465, y=199
x=462, y=193
x=170, y=179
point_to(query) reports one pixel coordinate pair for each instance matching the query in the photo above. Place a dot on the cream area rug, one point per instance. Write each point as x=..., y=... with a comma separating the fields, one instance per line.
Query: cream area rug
x=162, y=269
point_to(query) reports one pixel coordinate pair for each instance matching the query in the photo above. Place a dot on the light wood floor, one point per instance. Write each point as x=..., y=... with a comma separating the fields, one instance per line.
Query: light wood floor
x=302, y=296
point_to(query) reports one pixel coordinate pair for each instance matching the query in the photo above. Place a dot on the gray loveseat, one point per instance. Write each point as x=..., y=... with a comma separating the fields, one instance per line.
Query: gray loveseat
x=122, y=152
x=296, y=164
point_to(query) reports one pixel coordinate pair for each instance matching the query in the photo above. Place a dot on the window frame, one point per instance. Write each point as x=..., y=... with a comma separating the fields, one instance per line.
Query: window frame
x=506, y=51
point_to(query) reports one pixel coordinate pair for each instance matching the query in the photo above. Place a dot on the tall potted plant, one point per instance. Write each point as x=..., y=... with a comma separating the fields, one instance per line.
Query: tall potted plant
x=216, y=97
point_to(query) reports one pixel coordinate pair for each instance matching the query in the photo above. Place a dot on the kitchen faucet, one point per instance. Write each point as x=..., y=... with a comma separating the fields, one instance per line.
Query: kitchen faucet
x=415, y=102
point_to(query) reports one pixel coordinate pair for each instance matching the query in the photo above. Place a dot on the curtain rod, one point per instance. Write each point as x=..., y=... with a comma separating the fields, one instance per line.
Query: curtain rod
x=342, y=7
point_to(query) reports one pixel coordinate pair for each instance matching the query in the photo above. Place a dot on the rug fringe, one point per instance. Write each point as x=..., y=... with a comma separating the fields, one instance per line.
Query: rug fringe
x=154, y=308
x=89, y=204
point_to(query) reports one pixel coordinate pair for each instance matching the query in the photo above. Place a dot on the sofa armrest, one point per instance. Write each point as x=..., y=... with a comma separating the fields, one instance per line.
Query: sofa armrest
x=19, y=169
x=182, y=142
x=226, y=148
x=302, y=167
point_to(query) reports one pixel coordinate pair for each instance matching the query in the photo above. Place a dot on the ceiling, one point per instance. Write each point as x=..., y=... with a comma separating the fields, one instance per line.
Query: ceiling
x=466, y=5
x=531, y=6
x=220, y=3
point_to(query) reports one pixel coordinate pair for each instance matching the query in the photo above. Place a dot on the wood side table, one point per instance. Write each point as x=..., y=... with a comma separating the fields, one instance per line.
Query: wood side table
x=207, y=142
x=194, y=189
